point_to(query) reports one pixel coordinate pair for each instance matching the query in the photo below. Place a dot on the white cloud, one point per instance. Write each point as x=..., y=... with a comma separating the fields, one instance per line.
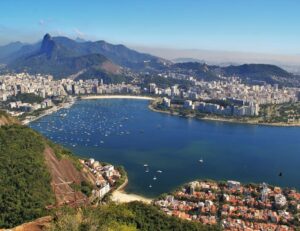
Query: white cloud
x=78, y=33
x=45, y=22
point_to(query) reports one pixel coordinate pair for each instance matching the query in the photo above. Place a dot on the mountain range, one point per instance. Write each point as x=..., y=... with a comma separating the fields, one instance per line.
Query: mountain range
x=63, y=57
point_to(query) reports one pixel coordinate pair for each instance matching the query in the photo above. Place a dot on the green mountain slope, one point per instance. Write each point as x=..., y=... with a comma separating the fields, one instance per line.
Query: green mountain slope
x=5, y=119
x=258, y=72
x=24, y=179
x=250, y=73
x=123, y=217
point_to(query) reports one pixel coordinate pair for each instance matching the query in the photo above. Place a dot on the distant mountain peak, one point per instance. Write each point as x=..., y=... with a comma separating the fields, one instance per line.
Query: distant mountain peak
x=62, y=56
x=47, y=45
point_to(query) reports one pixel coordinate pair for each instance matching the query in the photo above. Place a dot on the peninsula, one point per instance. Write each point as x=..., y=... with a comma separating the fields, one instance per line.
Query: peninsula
x=286, y=114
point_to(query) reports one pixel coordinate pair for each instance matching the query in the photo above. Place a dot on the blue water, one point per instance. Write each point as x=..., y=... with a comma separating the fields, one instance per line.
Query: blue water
x=125, y=132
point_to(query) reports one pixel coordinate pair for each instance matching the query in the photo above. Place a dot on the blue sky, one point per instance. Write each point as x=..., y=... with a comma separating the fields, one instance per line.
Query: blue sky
x=267, y=26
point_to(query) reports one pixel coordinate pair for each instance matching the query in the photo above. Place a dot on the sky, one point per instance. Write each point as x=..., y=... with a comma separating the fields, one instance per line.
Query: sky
x=261, y=26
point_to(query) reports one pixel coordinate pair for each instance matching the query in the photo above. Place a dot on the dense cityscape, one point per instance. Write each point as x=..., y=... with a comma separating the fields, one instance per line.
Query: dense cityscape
x=236, y=206
x=229, y=97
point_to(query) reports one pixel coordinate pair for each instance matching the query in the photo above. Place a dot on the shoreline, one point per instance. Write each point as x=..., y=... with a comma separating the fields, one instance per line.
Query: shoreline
x=150, y=106
x=117, y=97
x=120, y=196
x=48, y=112
x=123, y=197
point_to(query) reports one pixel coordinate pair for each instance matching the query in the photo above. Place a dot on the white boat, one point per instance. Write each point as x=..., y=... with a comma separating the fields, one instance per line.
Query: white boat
x=159, y=171
x=150, y=186
x=201, y=160
x=154, y=178
x=145, y=165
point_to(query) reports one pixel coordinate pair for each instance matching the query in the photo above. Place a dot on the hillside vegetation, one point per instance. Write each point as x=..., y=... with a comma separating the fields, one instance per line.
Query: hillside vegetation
x=5, y=119
x=24, y=179
x=122, y=217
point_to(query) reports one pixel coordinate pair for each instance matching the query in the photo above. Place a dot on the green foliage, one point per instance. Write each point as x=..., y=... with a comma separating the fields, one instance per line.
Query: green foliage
x=123, y=177
x=108, y=78
x=84, y=187
x=26, y=98
x=24, y=181
x=127, y=217
x=3, y=113
x=200, y=70
x=223, y=103
x=280, y=113
x=7, y=119
x=259, y=72
x=148, y=218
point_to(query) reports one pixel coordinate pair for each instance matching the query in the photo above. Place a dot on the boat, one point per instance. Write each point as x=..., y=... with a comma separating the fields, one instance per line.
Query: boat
x=150, y=186
x=154, y=178
x=145, y=165
x=201, y=160
x=159, y=171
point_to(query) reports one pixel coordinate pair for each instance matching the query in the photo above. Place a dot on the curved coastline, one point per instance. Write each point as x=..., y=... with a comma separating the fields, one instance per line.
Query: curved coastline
x=150, y=106
x=233, y=121
x=120, y=196
x=117, y=97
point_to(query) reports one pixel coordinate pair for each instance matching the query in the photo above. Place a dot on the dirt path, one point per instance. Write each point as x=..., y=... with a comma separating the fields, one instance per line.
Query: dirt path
x=63, y=174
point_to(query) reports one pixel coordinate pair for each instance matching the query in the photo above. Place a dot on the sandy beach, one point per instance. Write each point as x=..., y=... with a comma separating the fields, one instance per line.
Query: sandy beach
x=120, y=196
x=117, y=97
x=123, y=197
